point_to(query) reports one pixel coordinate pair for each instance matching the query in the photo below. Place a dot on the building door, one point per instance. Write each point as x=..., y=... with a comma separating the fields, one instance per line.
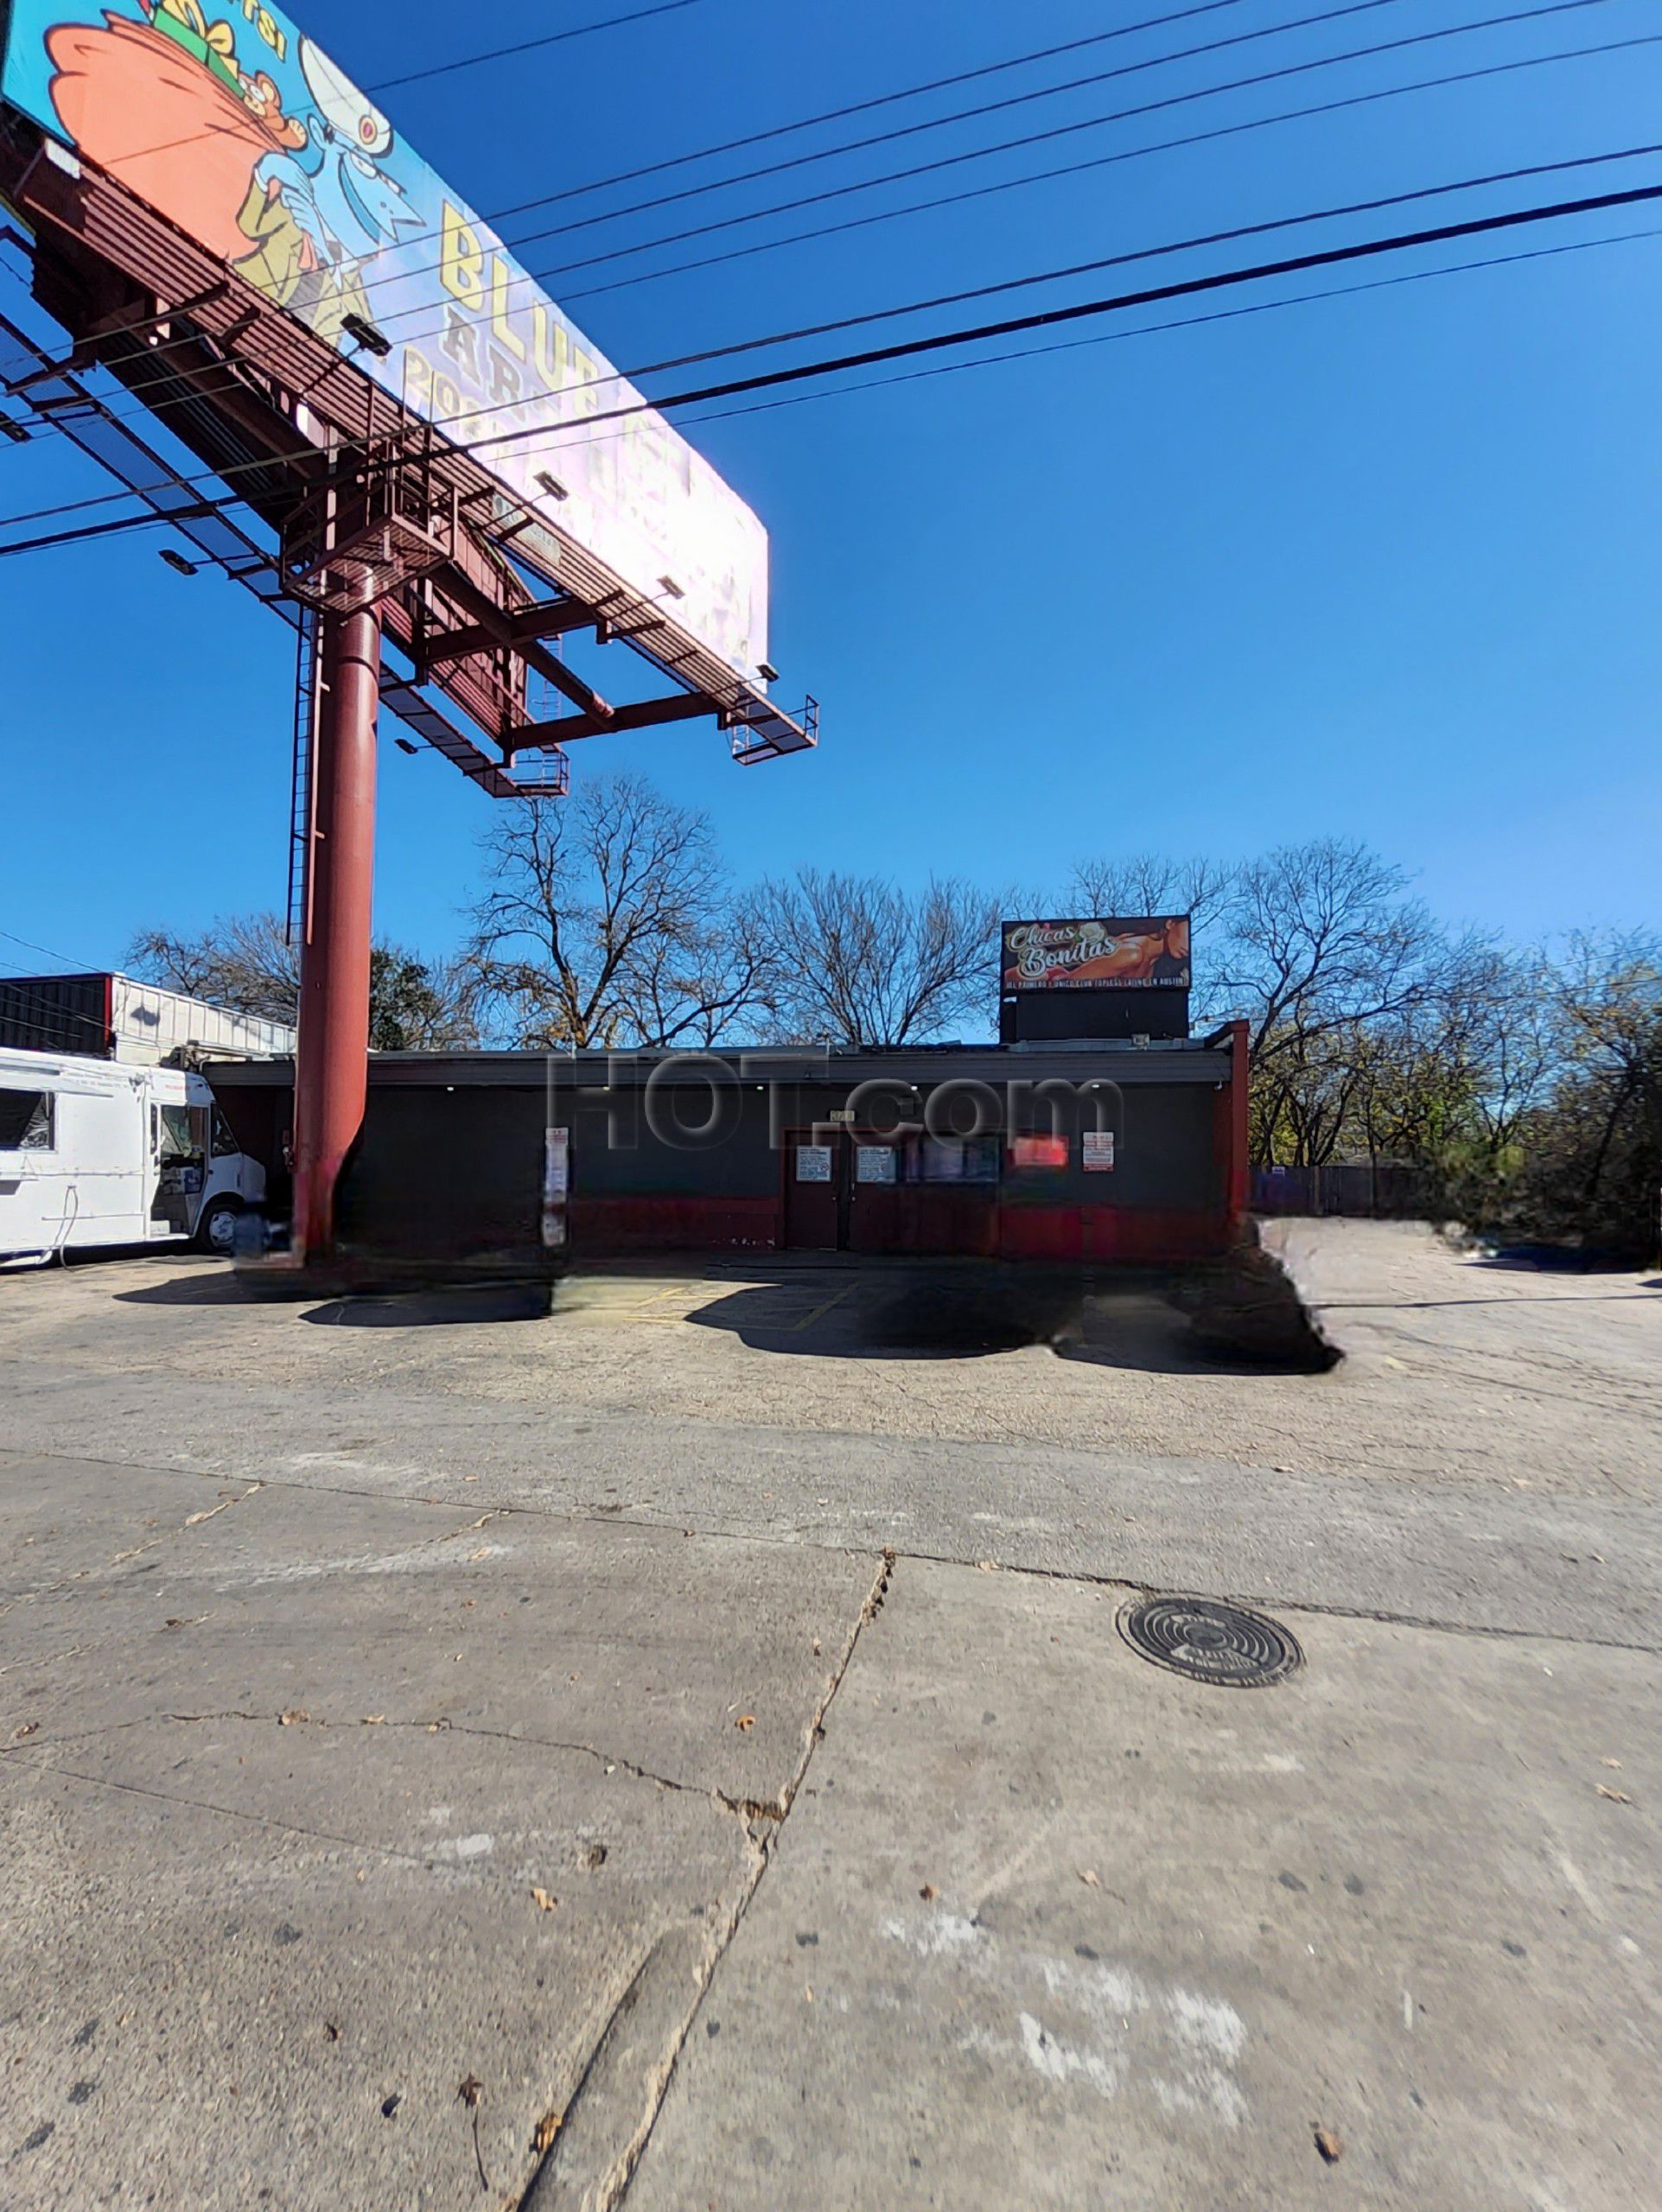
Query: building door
x=815, y=1190
x=875, y=1221
x=842, y=1192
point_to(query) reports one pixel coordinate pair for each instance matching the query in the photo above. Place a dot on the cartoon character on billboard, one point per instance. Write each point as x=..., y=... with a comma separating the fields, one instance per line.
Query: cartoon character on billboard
x=297, y=203
x=318, y=215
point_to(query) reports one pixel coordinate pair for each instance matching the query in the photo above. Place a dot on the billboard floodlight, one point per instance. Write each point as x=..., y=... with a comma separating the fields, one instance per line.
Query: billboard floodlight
x=364, y=334
x=177, y=561
x=672, y=588
x=767, y=672
x=551, y=484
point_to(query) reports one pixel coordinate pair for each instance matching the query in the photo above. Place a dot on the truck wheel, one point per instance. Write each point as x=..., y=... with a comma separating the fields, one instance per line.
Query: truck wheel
x=216, y=1231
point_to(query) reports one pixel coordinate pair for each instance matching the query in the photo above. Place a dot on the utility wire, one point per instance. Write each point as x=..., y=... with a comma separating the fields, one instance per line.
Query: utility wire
x=1042, y=54
x=1543, y=9
x=1174, y=246
x=1220, y=279
x=1292, y=264
x=526, y=46
x=159, y=403
x=753, y=138
x=1550, y=7
x=1149, y=252
x=988, y=107
x=1184, y=322
x=1090, y=123
x=1108, y=161
x=1070, y=345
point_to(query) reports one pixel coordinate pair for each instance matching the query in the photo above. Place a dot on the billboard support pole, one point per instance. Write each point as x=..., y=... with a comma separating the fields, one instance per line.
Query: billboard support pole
x=331, y=1055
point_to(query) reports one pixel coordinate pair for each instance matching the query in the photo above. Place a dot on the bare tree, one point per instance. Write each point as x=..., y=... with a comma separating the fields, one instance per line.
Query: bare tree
x=1321, y=938
x=242, y=961
x=860, y=962
x=1149, y=883
x=245, y=962
x=606, y=922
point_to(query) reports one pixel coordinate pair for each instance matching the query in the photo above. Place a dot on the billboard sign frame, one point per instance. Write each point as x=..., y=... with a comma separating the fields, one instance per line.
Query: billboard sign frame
x=1137, y=952
x=258, y=148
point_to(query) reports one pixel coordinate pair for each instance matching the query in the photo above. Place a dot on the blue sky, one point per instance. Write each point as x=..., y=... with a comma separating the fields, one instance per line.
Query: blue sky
x=1383, y=566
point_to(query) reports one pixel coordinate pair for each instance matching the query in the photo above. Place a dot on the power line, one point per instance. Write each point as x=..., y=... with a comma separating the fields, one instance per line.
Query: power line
x=1097, y=338
x=1314, y=113
x=161, y=402
x=1047, y=318
x=1308, y=216
x=1186, y=322
x=1148, y=252
x=45, y=950
x=1548, y=7
x=1544, y=8
x=527, y=45
x=1089, y=123
x=1292, y=264
x=989, y=107
x=442, y=69
x=464, y=62
x=862, y=107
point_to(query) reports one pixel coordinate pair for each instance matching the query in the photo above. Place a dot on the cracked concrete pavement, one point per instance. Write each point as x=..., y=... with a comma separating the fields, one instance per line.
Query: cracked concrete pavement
x=697, y=1717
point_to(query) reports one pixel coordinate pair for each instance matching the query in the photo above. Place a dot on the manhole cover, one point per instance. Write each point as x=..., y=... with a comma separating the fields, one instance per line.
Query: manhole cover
x=1224, y=1644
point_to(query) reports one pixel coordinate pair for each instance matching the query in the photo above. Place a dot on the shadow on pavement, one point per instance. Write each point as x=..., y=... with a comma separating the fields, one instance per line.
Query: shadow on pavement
x=1143, y=1325
x=464, y=1305
x=219, y=1285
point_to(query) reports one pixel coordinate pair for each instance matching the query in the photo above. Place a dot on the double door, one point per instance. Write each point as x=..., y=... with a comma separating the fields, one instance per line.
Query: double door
x=843, y=1191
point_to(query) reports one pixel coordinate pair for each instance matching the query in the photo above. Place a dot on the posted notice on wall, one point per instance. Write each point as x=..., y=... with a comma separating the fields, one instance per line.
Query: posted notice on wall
x=873, y=1163
x=1098, y=1149
x=813, y=1163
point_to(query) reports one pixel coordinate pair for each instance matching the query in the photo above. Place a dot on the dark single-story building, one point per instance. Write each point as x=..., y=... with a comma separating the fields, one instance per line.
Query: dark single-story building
x=1094, y=1150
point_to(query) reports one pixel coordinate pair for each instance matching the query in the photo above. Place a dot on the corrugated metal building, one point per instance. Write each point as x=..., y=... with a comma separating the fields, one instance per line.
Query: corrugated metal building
x=106, y=1016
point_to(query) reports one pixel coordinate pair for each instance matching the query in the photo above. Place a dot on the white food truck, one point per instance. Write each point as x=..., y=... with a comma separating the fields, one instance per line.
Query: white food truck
x=99, y=1152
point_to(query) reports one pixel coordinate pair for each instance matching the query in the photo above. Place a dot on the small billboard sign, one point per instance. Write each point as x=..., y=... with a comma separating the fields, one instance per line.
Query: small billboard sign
x=1145, y=952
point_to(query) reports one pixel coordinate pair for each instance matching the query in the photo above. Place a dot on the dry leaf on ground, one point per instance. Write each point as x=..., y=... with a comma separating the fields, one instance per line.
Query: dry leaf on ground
x=746, y=1720
x=547, y=2128
x=544, y=1900
x=1331, y=2147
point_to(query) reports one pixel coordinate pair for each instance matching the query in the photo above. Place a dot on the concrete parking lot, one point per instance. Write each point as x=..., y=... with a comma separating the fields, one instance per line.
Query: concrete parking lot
x=678, y=1748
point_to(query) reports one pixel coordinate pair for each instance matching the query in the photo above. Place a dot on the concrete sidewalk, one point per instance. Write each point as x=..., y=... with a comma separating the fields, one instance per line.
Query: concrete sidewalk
x=769, y=1813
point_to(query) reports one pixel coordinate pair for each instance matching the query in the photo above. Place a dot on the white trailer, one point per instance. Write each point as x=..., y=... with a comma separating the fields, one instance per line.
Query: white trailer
x=94, y=1152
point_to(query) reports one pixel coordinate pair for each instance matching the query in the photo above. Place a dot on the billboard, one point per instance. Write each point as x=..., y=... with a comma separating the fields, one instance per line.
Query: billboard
x=1146, y=952
x=224, y=117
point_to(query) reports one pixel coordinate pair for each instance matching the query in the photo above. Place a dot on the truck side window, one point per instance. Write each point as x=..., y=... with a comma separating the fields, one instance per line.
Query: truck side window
x=176, y=1139
x=27, y=1122
x=225, y=1142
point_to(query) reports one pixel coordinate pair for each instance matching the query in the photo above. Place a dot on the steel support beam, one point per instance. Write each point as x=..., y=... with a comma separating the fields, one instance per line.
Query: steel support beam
x=679, y=707
x=332, y=1057
x=552, y=619
x=496, y=623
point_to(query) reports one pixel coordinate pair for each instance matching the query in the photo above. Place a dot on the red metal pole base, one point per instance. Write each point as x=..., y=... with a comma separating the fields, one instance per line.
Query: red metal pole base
x=332, y=1062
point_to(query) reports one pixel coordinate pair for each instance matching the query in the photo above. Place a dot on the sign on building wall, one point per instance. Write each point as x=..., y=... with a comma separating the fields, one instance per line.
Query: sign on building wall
x=226, y=120
x=873, y=1163
x=1147, y=952
x=1098, y=1150
x=813, y=1163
